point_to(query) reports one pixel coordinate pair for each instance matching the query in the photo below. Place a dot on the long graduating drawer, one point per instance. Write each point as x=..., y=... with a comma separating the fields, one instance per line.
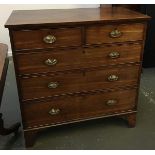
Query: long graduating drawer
x=102, y=78
x=55, y=60
x=114, y=33
x=46, y=38
x=66, y=109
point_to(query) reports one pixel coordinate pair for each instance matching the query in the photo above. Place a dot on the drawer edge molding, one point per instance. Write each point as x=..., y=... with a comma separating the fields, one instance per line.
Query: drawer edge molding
x=80, y=120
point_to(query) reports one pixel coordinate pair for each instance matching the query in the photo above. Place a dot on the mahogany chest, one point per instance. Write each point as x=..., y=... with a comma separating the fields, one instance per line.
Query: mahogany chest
x=76, y=65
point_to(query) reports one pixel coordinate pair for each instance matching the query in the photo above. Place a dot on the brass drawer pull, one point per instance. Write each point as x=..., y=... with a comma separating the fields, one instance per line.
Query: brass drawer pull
x=112, y=78
x=49, y=39
x=115, y=33
x=54, y=111
x=114, y=55
x=111, y=102
x=51, y=62
x=53, y=85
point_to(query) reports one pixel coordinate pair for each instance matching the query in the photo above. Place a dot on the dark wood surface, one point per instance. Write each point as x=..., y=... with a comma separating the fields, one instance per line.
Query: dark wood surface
x=4, y=60
x=130, y=32
x=79, y=81
x=78, y=107
x=149, y=9
x=34, y=61
x=3, y=56
x=34, y=39
x=3, y=67
x=82, y=47
x=22, y=18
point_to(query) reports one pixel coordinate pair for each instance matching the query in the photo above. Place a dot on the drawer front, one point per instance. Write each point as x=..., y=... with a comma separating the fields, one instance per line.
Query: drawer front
x=66, y=109
x=114, y=33
x=55, y=60
x=47, y=38
x=45, y=86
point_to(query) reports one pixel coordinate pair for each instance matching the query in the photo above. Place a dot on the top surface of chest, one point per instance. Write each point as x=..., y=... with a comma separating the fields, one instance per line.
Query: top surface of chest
x=33, y=18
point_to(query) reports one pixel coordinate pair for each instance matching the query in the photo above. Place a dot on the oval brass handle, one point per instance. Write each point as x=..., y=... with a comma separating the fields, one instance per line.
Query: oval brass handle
x=53, y=85
x=114, y=55
x=115, y=33
x=51, y=62
x=49, y=39
x=54, y=111
x=112, y=78
x=111, y=102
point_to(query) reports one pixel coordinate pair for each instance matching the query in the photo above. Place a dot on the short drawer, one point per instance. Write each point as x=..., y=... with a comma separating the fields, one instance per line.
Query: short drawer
x=61, y=83
x=114, y=33
x=57, y=60
x=68, y=109
x=46, y=38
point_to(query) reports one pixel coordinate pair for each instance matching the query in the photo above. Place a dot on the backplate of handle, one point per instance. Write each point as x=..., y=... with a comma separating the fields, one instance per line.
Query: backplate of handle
x=54, y=111
x=49, y=39
x=114, y=55
x=53, y=85
x=111, y=102
x=113, y=78
x=51, y=62
x=115, y=33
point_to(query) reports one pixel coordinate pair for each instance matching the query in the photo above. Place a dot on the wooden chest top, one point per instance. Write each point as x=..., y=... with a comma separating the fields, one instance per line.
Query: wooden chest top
x=56, y=17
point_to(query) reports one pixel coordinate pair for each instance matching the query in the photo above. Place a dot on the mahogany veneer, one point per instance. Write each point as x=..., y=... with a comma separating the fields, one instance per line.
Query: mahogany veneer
x=78, y=81
x=34, y=62
x=76, y=65
x=78, y=107
x=25, y=40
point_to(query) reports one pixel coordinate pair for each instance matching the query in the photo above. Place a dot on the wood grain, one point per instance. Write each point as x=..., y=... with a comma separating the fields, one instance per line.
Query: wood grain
x=34, y=39
x=34, y=62
x=80, y=107
x=130, y=32
x=78, y=81
x=71, y=17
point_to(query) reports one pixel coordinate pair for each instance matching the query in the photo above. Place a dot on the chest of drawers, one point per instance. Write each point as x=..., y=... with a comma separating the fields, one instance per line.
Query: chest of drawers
x=76, y=65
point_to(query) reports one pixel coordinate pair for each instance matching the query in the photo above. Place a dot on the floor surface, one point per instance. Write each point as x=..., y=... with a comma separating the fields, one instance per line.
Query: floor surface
x=103, y=134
